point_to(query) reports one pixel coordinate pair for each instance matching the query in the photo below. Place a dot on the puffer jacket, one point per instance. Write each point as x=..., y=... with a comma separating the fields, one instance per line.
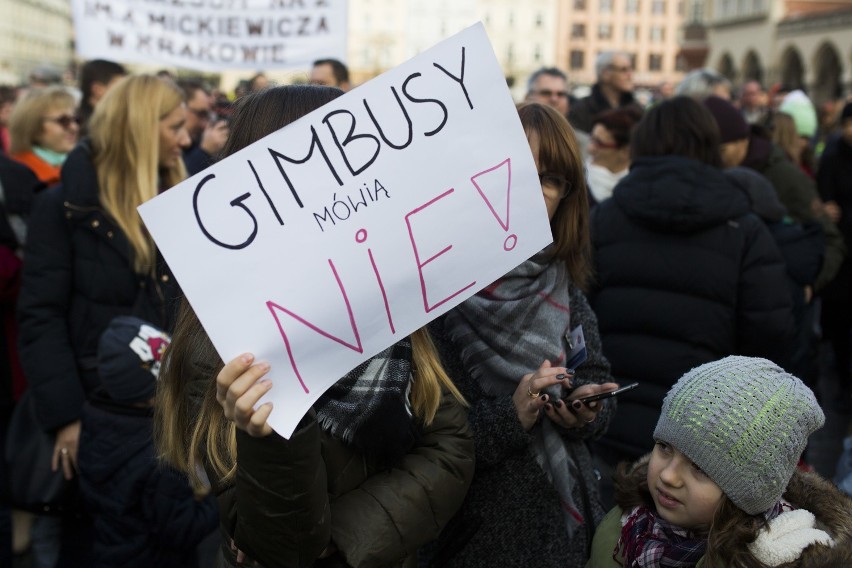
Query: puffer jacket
x=512, y=515
x=291, y=498
x=832, y=509
x=797, y=191
x=77, y=276
x=145, y=514
x=685, y=275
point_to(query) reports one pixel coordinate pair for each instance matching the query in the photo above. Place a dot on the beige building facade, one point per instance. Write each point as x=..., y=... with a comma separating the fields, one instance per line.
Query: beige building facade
x=647, y=30
x=801, y=44
x=34, y=34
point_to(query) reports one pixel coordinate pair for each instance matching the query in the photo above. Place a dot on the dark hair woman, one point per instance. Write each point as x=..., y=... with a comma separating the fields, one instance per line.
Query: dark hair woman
x=534, y=498
x=685, y=274
x=609, y=151
x=375, y=469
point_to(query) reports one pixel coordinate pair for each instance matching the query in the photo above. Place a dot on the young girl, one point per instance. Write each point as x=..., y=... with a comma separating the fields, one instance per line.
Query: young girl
x=710, y=494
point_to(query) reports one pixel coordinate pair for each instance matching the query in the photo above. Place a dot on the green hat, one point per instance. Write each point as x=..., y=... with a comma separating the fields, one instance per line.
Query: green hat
x=799, y=106
x=744, y=422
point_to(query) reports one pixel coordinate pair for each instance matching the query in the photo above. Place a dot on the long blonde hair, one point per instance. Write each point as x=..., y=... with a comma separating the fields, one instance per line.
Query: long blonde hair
x=125, y=133
x=190, y=427
x=189, y=422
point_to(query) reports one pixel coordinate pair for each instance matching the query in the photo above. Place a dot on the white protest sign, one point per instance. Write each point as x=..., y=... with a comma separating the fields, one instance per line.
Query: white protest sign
x=327, y=241
x=212, y=34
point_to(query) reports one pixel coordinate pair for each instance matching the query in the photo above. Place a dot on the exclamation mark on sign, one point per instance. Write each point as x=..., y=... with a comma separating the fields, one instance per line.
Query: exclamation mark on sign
x=495, y=187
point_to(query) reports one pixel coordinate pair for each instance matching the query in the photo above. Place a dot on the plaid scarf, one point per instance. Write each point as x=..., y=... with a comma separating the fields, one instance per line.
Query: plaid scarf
x=370, y=408
x=648, y=541
x=506, y=331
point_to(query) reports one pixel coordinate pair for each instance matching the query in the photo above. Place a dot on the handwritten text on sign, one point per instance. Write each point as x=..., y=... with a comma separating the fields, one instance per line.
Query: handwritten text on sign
x=325, y=242
x=212, y=34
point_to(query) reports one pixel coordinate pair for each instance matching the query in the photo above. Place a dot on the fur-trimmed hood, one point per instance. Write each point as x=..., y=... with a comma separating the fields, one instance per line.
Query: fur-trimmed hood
x=833, y=512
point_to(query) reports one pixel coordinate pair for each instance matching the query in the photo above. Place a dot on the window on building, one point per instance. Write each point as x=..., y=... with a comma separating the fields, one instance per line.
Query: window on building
x=510, y=53
x=537, y=52
x=579, y=5
x=655, y=62
x=511, y=19
x=578, y=59
x=658, y=6
x=578, y=31
x=681, y=9
x=631, y=32
x=539, y=20
x=605, y=6
x=632, y=57
x=631, y=6
x=604, y=31
x=658, y=34
x=680, y=63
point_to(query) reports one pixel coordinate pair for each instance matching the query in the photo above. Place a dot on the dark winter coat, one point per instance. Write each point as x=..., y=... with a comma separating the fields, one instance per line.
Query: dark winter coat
x=832, y=509
x=797, y=192
x=834, y=181
x=582, y=113
x=685, y=275
x=511, y=515
x=78, y=275
x=291, y=498
x=145, y=514
x=18, y=185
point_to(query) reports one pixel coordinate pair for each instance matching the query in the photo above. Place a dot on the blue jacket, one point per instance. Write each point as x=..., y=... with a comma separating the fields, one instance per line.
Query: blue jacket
x=145, y=514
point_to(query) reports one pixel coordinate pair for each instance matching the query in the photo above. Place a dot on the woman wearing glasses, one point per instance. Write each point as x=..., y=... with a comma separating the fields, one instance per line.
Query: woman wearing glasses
x=534, y=498
x=89, y=259
x=43, y=129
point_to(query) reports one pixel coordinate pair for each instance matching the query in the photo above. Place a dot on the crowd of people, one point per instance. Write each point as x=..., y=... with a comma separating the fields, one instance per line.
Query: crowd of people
x=700, y=248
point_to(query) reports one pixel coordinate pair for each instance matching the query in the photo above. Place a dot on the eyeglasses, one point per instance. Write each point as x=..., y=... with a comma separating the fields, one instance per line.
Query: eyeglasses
x=547, y=93
x=626, y=69
x=65, y=120
x=554, y=185
x=601, y=144
x=202, y=114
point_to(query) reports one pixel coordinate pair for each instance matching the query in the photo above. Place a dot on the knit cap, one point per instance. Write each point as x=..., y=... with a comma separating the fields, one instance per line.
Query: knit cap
x=732, y=125
x=745, y=422
x=129, y=355
x=799, y=106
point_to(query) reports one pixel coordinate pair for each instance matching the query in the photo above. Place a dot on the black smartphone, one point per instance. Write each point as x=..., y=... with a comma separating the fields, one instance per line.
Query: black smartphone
x=607, y=394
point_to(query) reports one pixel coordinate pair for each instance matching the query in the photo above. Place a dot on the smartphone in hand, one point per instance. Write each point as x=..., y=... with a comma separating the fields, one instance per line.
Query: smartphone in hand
x=607, y=394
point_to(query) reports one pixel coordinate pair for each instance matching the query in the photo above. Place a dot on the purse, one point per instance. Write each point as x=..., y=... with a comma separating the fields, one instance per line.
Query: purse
x=32, y=485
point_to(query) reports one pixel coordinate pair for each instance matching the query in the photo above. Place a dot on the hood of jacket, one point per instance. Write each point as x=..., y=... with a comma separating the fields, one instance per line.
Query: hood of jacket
x=678, y=194
x=833, y=512
x=760, y=192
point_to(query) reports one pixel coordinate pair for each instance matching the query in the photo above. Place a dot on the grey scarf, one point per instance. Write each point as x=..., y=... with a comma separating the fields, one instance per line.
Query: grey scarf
x=506, y=331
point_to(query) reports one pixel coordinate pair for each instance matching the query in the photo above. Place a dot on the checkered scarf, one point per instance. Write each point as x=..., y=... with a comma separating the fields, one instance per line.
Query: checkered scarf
x=648, y=541
x=506, y=331
x=370, y=407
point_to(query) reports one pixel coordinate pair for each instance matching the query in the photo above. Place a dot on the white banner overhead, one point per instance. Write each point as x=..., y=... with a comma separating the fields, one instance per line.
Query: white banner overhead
x=212, y=35
x=325, y=242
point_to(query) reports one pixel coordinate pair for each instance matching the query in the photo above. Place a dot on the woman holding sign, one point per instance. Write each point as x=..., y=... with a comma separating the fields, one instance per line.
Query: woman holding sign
x=512, y=349
x=371, y=473
x=89, y=259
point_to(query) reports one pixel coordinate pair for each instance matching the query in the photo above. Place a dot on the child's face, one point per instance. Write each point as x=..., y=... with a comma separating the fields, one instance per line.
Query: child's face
x=683, y=494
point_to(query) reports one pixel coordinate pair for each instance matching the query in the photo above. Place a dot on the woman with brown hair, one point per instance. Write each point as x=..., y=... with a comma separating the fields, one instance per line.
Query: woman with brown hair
x=534, y=498
x=371, y=473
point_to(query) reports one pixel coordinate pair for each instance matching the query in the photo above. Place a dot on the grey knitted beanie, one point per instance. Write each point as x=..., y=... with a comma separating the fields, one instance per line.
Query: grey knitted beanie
x=745, y=422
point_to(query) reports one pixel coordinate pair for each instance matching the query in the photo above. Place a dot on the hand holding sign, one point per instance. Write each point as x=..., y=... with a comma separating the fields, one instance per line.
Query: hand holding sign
x=350, y=228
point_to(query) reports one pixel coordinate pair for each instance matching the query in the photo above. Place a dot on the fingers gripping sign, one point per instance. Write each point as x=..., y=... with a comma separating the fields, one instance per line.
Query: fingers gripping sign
x=239, y=387
x=529, y=398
